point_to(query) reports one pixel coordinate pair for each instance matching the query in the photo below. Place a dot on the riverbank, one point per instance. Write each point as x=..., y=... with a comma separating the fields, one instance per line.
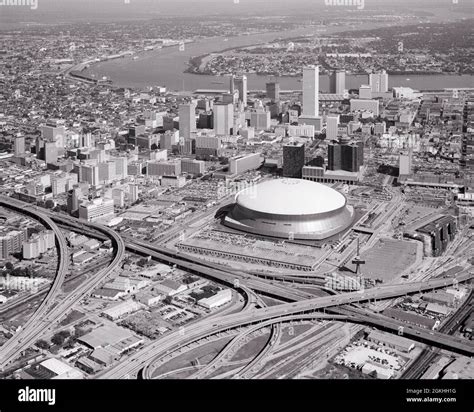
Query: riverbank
x=170, y=67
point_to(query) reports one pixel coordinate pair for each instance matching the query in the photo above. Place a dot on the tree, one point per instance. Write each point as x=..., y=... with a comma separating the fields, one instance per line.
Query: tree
x=42, y=344
x=60, y=337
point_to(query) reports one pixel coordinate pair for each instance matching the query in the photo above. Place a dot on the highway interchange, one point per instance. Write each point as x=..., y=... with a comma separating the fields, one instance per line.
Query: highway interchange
x=47, y=315
x=302, y=305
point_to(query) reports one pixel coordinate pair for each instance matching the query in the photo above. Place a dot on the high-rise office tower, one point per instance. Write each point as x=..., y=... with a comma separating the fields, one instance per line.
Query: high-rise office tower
x=206, y=121
x=337, y=82
x=344, y=155
x=352, y=156
x=187, y=120
x=52, y=131
x=39, y=145
x=133, y=193
x=293, y=160
x=86, y=140
x=208, y=146
x=121, y=167
x=50, y=152
x=379, y=82
x=107, y=171
x=20, y=145
x=240, y=83
x=73, y=200
x=260, y=119
x=223, y=118
x=332, y=124
x=273, y=91
x=384, y=81
x=232, y=84
x=334, y=156
x=89, y=174
x=311, y=91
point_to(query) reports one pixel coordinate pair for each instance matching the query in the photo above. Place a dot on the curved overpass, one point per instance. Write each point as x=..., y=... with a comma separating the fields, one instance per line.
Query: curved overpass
x=22, y=339
x=306, y=309
x=172, y=344
x=433, y=338
x=47, y=319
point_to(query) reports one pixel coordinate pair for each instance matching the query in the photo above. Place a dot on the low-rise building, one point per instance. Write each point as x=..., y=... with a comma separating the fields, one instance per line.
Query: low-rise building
x=438, y=309
x=392, y=341
x=59, y=370
x=220, y=298
x=149, y=298
x=169, y=287
x=124, y=308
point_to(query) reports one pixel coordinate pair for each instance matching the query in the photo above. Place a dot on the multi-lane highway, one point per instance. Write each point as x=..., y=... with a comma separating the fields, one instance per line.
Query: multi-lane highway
x=19, y=340
x=427, y=357
x=241, y=280
x=277, y=313
x=33, y=330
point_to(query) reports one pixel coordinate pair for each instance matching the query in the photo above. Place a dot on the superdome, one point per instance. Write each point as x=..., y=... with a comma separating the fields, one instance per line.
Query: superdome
x=290, y=209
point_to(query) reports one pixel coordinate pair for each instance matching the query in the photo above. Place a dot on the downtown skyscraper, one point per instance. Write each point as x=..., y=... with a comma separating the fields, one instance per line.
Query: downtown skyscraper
x=310, y=91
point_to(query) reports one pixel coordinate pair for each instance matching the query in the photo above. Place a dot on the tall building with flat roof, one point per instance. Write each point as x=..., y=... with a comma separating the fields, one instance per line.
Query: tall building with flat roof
x=337, y=81
x=208, y=145
x=20, y=145
x=89, y=174
x=293, y=160
x=223, y=118
x=133, y=192
x=379, y=82
x=260, y=119
x=240, y=83
x=187, y=120
x=346, y=156
x=332, y=124
x=49, y=152
x=11, y=241
x=73, y=200
x=310, y=91
x=273, y=91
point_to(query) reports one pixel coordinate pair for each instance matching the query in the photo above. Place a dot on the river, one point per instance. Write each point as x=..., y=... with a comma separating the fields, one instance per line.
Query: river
x=165, y=67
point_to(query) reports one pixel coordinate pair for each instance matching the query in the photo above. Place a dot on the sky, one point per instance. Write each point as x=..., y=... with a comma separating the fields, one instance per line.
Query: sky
x=77, y=9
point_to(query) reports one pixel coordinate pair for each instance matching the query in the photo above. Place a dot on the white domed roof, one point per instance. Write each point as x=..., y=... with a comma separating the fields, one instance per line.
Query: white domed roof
x=290, y=197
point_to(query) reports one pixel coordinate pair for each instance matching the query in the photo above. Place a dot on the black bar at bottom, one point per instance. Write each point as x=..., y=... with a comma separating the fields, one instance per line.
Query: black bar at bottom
x=84, y=395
